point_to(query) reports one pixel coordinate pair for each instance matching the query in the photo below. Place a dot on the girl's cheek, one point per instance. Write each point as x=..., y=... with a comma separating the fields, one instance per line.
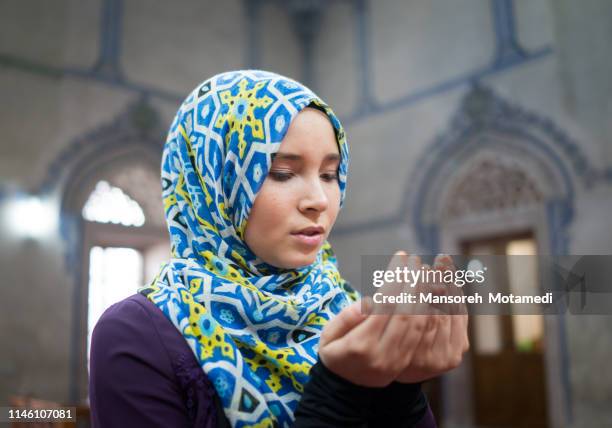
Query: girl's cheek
x=283, y=193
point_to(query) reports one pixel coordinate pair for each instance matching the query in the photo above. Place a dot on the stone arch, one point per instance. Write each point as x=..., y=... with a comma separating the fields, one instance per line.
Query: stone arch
x=489, y=131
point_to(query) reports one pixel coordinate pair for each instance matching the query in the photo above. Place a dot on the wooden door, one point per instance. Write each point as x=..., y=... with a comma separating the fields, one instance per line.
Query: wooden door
x=507, y=351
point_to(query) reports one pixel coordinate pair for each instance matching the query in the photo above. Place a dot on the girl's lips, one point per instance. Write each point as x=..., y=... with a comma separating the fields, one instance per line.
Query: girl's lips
x=310, y=240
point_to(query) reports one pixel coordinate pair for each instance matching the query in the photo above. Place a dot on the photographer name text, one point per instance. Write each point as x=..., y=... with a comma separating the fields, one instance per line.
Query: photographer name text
x=476, y=298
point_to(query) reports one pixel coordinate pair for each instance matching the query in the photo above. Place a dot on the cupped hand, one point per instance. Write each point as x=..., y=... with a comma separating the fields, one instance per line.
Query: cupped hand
x=368, y=348
x=445, y=339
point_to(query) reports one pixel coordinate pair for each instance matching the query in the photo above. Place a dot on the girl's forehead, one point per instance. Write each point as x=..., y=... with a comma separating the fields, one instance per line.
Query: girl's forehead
x=309, y=130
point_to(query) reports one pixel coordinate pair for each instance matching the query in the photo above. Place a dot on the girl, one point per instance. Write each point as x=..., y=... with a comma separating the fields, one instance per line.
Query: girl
x=250, y=324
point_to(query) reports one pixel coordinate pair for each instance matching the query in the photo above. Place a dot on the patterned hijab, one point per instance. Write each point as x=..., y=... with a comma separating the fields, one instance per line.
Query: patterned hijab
x=253, y=327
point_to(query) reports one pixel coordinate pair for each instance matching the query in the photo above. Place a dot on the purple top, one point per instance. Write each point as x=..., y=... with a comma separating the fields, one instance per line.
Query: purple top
x=143, y=373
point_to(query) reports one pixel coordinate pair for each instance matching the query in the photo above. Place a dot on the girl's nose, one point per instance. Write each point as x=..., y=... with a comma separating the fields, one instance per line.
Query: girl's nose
x=314, y=196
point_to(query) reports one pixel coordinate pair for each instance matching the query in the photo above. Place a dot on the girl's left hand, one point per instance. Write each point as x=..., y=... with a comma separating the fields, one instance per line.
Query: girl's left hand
x=445, y=340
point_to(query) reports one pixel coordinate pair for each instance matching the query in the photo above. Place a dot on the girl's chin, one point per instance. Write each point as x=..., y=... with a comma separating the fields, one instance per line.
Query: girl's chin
x=299, y=261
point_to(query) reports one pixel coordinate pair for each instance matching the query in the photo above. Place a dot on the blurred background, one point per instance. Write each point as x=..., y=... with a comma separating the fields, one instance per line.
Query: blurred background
x=475, y=126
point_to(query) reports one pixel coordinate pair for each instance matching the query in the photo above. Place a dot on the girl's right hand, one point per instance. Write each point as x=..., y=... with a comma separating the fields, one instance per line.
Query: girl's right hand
x=370, y=349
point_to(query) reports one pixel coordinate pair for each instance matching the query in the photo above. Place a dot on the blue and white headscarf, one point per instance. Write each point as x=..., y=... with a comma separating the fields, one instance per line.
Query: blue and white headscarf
x=253, y=327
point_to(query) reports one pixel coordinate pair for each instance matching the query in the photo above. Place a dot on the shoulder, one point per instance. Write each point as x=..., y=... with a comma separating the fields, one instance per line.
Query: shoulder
x=132, y=309
x=126, y=326
x=128, y=329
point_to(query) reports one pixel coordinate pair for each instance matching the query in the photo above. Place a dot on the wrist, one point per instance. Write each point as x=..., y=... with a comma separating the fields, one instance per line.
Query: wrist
x=321, y=368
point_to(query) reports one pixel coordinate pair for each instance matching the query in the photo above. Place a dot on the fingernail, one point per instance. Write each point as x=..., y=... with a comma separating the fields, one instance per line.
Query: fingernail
x=402, y=254
x=443, y=258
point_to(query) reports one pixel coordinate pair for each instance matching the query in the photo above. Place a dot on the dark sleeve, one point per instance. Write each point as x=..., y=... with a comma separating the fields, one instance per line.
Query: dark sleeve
x=332, y=401
x=400, y=405
x=132, y=382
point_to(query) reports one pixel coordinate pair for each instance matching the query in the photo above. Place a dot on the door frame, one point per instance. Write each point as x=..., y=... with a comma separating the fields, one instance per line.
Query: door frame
x=458, y=398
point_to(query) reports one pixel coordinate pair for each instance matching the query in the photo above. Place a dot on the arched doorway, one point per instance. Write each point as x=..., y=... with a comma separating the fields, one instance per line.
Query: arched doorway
x=500, y=179
x=121, y=157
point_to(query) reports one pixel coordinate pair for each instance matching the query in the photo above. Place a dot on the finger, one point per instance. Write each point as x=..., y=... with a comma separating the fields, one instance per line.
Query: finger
x=426, y=279
x=466, y=341
x=438, y=287
x=413, y=261
x=345, y=321
x=441, y=344
x=426, y=285
x=402, y=333
x=424, y=349
x=444, y=262
x=421, y=288
x=459, y=340
x=458, y=308
x=412, y=264
x=458, y=333
x=398, y=261
x=457, y=294
x=370, y=330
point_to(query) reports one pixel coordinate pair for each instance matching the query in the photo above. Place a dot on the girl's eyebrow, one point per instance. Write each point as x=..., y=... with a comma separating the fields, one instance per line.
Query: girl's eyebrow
x=296, y=157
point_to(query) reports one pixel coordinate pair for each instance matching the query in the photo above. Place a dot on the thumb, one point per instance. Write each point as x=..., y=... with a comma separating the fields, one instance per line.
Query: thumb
x=346, y=320
x=398, y=259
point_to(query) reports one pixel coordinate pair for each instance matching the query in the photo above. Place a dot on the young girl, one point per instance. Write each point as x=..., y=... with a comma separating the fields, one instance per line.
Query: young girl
x=250, y=324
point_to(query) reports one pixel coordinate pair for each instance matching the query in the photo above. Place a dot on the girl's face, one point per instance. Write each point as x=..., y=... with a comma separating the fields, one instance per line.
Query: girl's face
x=301, y=191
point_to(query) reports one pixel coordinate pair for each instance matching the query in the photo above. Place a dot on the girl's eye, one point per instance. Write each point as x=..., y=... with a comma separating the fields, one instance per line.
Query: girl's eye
x=284, y=176
x=281, y=176
x=330, y=176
